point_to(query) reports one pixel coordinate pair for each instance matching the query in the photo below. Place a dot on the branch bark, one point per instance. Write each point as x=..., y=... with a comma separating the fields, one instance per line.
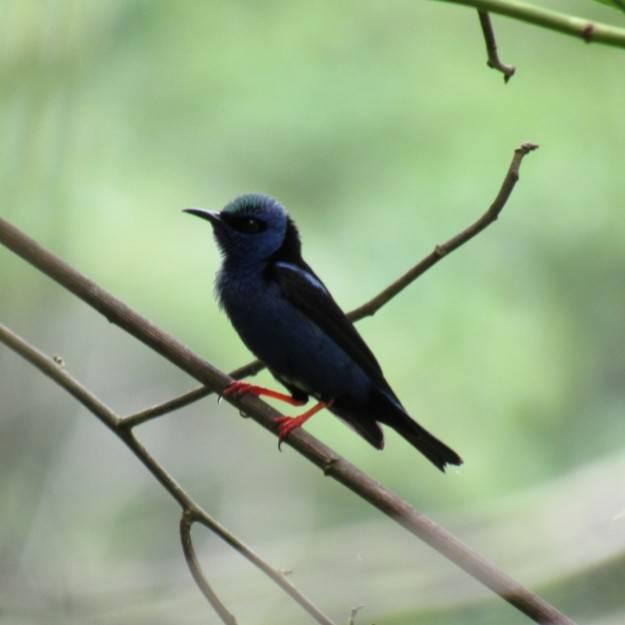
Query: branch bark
x=493, y=61
x=168, y=406
x=322, y=456
x=440, y=251
x=191, y=511
x=579, y=27
x=186, y=522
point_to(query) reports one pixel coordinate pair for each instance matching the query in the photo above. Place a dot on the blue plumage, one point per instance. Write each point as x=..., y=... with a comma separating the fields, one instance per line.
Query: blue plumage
x=286, y=316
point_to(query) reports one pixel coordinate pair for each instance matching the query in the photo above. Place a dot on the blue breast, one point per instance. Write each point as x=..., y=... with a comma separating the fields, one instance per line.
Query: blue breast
x=284, y=339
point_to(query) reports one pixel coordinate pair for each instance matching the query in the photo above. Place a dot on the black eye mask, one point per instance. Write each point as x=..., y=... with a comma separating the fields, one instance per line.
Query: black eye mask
x=244, y=223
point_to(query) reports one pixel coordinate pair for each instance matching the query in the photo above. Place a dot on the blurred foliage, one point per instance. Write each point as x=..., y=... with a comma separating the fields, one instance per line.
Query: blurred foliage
x=383, y=132
x=615, y=4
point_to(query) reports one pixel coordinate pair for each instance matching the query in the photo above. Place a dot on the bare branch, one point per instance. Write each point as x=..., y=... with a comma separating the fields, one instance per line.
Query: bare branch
x=190, y=509
x=440, y=251
x=331, y=464
x=186, y=521
x=374, y=304
x=494, y=61
x=252, y=368
x=579, y=27
x=53, y=367
x=169, y=406
x=278, y=577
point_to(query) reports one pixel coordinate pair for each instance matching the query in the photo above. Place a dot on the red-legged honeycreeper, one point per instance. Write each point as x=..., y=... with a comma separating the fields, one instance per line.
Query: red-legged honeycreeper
x=286, y=316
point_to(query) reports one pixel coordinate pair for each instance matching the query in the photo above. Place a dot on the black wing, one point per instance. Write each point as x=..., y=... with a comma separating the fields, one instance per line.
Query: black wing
x=306, y=292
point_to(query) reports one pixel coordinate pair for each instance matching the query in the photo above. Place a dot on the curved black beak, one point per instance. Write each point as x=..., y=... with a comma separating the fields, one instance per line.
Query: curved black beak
x=213, y=216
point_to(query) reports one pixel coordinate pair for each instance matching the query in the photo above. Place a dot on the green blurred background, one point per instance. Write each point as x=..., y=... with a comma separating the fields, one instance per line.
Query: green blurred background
x=381, y=129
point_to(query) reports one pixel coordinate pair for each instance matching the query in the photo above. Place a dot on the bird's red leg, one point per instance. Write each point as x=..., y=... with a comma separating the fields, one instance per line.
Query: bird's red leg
x=243, y=388
x=287, y=424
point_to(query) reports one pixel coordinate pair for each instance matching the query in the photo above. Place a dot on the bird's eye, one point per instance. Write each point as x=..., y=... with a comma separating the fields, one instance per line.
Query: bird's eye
x=245, y=223
x=251, y=225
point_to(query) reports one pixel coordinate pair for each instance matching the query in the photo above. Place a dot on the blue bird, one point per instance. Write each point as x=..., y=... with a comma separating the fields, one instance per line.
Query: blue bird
x=287, y=317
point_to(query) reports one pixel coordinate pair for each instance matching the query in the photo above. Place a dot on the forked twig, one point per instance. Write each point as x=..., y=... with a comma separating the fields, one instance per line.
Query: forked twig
x=191, y=512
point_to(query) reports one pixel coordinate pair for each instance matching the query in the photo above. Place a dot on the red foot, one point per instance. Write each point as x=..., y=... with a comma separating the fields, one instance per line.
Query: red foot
x=243, y=388
x=288, y=424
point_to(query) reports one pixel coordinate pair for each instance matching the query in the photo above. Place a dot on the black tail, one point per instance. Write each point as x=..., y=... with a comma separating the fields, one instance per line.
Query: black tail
x=433, y=449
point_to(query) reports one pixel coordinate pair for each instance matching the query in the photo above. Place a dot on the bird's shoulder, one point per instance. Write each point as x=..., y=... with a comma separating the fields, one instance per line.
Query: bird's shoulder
x=301, y=286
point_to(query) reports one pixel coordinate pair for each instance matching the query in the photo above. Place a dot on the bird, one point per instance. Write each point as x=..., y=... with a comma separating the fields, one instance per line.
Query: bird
x=287, y=317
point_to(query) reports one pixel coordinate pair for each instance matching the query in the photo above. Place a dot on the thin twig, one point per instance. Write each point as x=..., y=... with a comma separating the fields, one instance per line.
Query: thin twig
x=442, y=250
x=276, y=576
x=50, y=368
x=352, y=615
x=579, y=27
x=322, y=456
x=493, y=61
x=252, y=368
x=186, y=521
x=176, y=403
x=374, y=304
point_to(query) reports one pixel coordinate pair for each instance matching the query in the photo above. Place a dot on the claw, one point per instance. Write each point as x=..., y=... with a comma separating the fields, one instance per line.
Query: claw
x=287, y=424
x=238, y=389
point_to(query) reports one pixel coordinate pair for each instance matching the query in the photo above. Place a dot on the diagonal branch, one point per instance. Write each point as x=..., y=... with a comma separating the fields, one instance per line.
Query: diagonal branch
x=374, y=304
x=191, y=511
x=322, y=456
x=176, y=403
x=442, y=250
x=580, y=27
x=493, y=61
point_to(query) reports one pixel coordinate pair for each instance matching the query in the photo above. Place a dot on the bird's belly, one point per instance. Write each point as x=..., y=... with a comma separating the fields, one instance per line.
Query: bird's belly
x=294, y=348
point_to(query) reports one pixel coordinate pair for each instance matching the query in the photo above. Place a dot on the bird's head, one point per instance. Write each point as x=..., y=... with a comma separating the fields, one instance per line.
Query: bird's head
x=249, y=229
